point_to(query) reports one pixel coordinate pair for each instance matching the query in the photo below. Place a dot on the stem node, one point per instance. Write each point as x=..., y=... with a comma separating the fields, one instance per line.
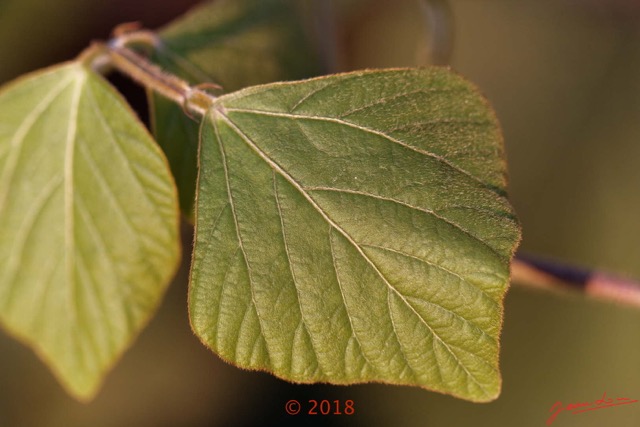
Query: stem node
x=117, y=54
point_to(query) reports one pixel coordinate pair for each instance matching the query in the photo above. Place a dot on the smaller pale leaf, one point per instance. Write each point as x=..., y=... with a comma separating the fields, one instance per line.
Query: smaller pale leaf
x=88, y=222
x=355, y=228
x=235, y=44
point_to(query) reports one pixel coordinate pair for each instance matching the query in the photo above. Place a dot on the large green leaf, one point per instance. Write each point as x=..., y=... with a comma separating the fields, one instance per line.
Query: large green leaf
x=88, y=222
x=355, y=228
x=233, y=43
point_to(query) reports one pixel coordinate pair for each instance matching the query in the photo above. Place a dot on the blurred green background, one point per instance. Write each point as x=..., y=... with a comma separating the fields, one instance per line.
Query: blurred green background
x=564, y=78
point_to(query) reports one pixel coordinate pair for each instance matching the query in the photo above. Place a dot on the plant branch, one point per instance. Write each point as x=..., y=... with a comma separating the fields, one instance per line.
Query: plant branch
x=117, y=54
x=535, y=272
x=524, y=270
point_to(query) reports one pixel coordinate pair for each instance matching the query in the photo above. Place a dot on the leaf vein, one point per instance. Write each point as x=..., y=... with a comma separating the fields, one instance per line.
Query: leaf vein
x=115, y=202
x=69, y=219
x=424, y=210
x=23, y=234
x=90, y=337
x=210, y=240
x=238, y=234
x=363, y=129
x=344, y=301
x=397, y=96
x=116, y=144
x=462, y=279
x=18, y=139
x=442, y=121
x=414, y=374
x=222, y=286
x=438, y=338
x=293, y=274
x=311, y=94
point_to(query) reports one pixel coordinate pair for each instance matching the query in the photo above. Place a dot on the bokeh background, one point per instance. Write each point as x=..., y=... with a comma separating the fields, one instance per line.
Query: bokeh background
x=564, y=78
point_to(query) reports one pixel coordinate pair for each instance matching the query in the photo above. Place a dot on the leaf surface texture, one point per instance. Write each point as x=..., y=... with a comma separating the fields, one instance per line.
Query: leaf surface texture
x=355, y=228
x=88, y=222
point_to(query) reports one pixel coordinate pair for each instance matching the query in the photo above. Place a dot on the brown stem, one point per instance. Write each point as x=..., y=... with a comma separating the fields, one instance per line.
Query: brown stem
x=529, y=271
x=118, y=55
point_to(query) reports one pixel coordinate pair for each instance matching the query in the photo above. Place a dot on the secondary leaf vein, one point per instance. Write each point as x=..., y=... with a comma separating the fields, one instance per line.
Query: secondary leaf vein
x=472, y=287
x=395, y=97
x=405, y=357
x=237, y=227
x=400, y=202
x=18, y=139
x=23, y=234
x=364, y=129
x=344, y=300
x=291, y=270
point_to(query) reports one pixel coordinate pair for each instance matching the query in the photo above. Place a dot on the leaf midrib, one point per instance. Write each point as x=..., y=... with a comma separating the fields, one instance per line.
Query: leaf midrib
x=69, y=213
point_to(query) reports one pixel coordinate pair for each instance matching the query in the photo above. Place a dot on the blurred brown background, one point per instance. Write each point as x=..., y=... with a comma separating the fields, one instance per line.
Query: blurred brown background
x=564, y=78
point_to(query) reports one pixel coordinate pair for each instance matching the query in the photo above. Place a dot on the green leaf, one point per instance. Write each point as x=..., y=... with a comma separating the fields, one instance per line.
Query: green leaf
x=88, y=222
x=233, y=43
x=354, y=228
